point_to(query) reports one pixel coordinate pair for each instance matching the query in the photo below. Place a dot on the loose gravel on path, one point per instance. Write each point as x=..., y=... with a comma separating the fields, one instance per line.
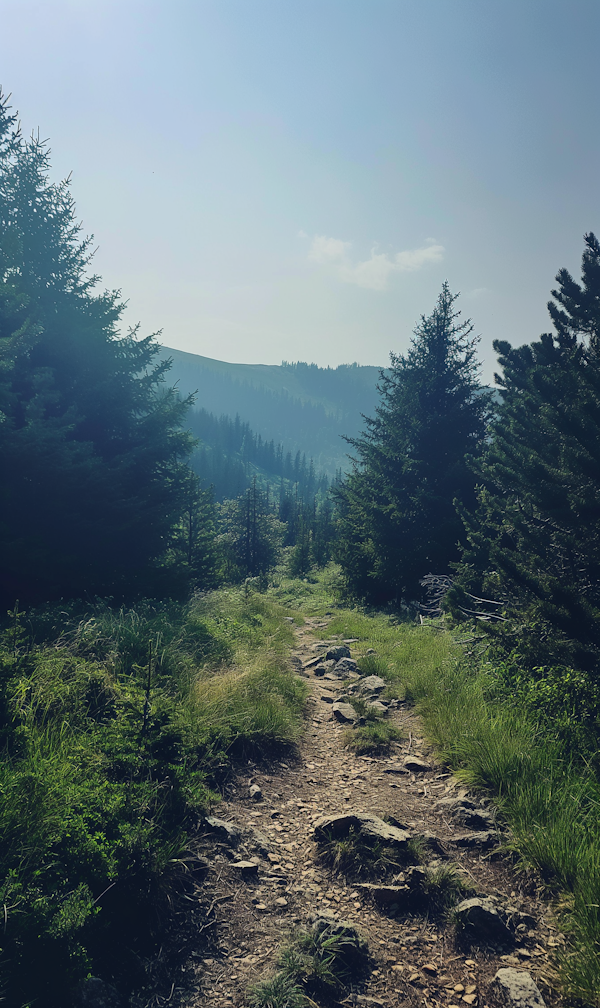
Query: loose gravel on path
x=253, y=912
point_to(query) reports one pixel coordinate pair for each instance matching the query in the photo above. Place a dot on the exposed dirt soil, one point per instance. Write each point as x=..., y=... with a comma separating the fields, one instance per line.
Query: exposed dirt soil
x=414, y=959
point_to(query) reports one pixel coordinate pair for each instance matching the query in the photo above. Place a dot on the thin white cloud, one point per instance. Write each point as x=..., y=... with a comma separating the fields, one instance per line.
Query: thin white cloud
x=301, y=234
x=375, y=272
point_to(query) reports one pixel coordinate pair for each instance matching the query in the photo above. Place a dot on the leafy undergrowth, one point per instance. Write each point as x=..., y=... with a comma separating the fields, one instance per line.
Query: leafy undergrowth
x=319, y=963
x=116, y=724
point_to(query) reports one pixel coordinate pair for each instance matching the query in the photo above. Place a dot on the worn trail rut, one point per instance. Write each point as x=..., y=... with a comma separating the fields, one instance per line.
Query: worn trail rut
x=414, y=959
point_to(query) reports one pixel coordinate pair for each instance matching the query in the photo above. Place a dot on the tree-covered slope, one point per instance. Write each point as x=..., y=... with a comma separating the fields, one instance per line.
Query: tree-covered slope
x=307, y=408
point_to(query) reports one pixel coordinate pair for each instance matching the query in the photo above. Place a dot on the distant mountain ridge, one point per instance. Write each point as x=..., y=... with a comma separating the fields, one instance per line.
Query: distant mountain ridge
x=306, y=408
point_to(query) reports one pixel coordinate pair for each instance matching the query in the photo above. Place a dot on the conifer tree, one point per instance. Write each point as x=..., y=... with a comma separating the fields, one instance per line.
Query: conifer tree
x=92, y=458
x=397, y=519
x=534, y=540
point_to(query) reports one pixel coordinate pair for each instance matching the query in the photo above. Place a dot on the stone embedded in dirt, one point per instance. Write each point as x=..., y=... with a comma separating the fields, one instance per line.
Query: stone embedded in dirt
x=433, y=843
x=474, y=819
x=430, y=968
x=454, y=801
x=327, y=697
x=480, y=840
x=371, y=684
x=335, y=653
x=385, y=895
x=377, y=708
x=524, y=918
x=351, y=640
x=225, y=831
x=416, y=765
x=344, y=712
x=395, y=768
x=246, y=867
x=481, y=922
x=96, y=993
x=320, y=670
x=345, y=665
x=255, y=792
x=516, y=989
x=415, y=877
x=313, y=661
x=370, y=826
x=330, y=927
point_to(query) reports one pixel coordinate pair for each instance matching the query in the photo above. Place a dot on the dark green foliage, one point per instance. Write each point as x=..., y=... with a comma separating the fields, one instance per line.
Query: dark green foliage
x=397, y=519
x=97, y=792
x=193, y=550
x=534, y=542
x=229, y=456
x=91, y=454
x=250, y=537
x=300, y=557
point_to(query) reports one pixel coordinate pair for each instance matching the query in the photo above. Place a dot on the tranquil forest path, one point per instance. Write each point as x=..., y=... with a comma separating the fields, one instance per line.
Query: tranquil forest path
x=414, y=959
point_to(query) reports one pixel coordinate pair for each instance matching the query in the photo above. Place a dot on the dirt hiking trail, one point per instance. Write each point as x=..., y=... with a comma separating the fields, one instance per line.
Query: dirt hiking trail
x=415, y=959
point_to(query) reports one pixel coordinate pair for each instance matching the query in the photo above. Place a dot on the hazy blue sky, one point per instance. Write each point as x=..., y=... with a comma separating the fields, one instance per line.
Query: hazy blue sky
x=295, y=179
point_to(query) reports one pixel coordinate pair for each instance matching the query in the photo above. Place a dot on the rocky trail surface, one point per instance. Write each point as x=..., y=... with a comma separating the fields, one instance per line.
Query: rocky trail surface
x=265, y=877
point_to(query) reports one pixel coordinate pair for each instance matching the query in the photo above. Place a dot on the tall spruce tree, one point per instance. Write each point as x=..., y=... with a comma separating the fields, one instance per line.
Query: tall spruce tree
x=534, y=540
x=92, y=458
x=397, y=519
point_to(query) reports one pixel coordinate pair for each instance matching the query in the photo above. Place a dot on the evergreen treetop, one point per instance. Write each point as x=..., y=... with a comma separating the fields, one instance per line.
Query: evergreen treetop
x=397, y=516
x=92, y=455
x=534, y=539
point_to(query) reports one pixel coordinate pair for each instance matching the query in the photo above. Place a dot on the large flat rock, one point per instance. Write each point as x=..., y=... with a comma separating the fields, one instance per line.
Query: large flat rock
x=344, y=713
x=516, y=989
x=370, y=826
x=481, y=922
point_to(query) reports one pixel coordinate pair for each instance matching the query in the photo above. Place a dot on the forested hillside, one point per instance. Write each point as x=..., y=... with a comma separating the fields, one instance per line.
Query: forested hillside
x=306, y=408
x=229, y=456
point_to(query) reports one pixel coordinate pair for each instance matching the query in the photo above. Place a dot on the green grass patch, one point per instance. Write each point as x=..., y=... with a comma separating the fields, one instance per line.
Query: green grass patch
x=357, y=856
x=320, y=963
x=549, y=799
x=115, y=726
x=441, y=889
x=376, y=737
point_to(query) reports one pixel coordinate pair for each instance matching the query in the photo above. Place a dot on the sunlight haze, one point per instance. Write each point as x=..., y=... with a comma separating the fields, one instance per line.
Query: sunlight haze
x=269, y=181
